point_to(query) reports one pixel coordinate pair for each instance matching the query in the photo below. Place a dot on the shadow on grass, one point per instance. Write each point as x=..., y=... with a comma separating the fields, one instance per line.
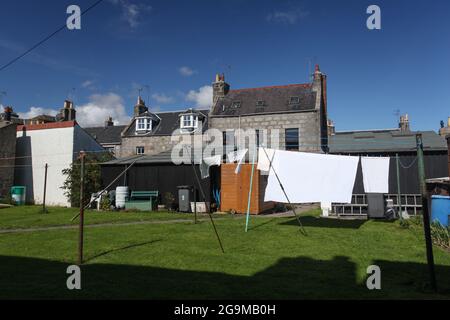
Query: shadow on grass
x=309, y=221
x=121, y=249
x=289, y=278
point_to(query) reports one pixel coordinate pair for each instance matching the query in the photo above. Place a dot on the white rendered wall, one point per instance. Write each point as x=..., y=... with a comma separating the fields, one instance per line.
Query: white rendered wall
x=51, y=146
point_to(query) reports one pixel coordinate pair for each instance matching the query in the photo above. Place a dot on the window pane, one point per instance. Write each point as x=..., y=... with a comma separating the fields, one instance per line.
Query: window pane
x=291, y=139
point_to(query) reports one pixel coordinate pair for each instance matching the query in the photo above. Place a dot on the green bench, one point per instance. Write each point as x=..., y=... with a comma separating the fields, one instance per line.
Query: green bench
x=142, y=200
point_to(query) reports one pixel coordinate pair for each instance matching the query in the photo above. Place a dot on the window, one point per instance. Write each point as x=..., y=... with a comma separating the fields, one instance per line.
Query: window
x=291, y=139
x=140, y=150
x=228, y=138
x=189, y=121
x=260, y=103
x=236, y=104
x=257, y=138
x=143, y=124
x=294, y=100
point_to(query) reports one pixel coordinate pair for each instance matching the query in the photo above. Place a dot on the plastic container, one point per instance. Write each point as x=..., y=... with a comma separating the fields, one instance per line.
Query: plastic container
x=18, y=194
x=122, y=194
x=440, y=209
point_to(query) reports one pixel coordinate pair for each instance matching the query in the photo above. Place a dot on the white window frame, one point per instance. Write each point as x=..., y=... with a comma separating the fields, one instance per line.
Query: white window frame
x=143, y=124
x=191, y=121
x=138, y=148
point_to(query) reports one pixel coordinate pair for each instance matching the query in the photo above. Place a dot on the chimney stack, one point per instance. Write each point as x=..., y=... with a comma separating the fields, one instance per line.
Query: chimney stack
x=444, y=131
x=109, y=122
x=68, y=112
x=331, y=129
x=404, y=123
x=220, y=87
x=8, y=113
x=140, y=107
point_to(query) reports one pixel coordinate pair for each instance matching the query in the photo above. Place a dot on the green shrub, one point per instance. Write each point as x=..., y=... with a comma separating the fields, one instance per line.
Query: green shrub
x=440, y=235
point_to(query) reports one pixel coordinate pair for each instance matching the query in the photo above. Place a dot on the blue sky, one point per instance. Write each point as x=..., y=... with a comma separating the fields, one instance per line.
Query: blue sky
x=176, y=47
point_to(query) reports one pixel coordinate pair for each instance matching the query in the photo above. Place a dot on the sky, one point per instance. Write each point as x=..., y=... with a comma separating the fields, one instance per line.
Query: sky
x=171, y=50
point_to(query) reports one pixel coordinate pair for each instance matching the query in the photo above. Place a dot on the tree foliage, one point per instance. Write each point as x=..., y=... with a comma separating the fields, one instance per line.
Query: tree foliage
x=92, y=177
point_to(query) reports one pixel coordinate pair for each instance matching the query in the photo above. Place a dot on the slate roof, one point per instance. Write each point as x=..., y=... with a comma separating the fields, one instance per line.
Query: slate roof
x=170, y=121
x=105, y=135
x=390, y=140
x=274, y=99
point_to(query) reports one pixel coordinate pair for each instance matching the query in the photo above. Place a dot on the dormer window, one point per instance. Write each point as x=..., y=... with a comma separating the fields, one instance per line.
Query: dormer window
x=189, y=121
x=143, y=124
x=294, y=100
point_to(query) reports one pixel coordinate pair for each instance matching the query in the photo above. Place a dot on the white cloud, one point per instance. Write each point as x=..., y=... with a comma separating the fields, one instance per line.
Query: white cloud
x=92, y=114
x=287, y=17
x=37, y=111
x=202, y=97
x=186, y=71
x=88, y=84
x=162, y=98
x=99, y=108
x=132, y=13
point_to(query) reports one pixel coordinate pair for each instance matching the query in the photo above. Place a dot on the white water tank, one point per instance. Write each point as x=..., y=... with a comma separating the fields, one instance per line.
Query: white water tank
x=121, y=196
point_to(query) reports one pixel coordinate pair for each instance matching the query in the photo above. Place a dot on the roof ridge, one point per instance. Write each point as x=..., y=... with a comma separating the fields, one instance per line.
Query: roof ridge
x=303, y=85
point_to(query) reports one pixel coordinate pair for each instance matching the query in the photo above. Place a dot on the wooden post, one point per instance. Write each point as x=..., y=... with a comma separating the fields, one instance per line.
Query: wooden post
x=195, y=205
x=80, y=239
x=399, y=195
x=44, y=210
x=425, y=214
x=250, y=190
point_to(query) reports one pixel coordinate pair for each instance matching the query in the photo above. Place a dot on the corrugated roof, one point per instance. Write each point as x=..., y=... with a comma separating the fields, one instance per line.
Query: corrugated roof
x=383, y=141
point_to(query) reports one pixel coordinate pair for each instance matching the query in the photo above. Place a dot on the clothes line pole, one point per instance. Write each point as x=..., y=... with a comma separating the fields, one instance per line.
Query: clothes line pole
x=399, y=195
x=250, y=190
x=425, y=213
x=284, y=191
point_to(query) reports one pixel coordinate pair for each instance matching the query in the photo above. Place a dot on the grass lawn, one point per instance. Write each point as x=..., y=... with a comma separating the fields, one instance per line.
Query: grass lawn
x=182, y=260
x=32, y=216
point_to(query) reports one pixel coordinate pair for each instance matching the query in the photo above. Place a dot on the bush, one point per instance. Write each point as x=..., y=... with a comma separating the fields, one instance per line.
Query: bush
x=440, y=235
x=105, y=204
x=92, y=177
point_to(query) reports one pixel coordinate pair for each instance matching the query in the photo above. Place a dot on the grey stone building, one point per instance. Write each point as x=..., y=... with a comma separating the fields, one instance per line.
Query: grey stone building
x=296, y=112
x=7, y=155
x=151, y=133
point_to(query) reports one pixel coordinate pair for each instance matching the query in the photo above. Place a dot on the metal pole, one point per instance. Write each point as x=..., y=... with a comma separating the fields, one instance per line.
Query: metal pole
x=399, y=197
x=425, y=214
x=44, y=210
x=80, y=239
x=204, y=199
x=284, y=191
x=250, y=191
x=195, y=205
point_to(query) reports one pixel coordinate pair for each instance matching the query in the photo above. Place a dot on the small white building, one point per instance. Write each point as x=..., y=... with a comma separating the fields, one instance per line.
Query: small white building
x=56, y=144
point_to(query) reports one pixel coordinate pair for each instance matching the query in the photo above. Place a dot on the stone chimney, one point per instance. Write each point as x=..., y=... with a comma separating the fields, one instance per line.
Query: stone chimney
x=109, y=122
x=319, y=85
x=8, y=113
x=220, y=88
x=331, y=129
x=445, y=130
x=68, y=113
x=140, y=107
x=404, y=123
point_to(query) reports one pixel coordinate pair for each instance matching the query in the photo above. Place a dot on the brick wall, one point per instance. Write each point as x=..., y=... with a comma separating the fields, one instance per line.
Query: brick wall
x=7, y=150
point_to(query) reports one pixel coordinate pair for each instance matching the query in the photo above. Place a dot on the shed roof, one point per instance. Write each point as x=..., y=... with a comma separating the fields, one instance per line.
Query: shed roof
x=390, y=140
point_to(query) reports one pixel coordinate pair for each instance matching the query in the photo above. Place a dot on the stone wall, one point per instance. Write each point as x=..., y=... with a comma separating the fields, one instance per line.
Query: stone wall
x=308, y=124
x=7, y=150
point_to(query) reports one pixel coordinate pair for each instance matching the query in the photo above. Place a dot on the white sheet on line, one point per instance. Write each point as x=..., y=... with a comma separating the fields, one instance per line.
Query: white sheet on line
x=264, y=159
x=238, y=156
x=311, y=177
x=375, y=172
x=208, y=162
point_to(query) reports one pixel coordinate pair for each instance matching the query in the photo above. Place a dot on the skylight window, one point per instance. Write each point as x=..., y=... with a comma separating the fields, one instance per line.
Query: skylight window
x=294, y=100
x=236, y=104
x=260, y=103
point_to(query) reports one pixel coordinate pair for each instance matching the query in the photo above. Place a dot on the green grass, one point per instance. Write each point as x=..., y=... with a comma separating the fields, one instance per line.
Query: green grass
x=32, y=216
x=182, y=260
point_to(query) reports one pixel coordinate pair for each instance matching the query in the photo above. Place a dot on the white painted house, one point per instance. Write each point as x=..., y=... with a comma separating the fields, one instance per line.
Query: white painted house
x=56, y=144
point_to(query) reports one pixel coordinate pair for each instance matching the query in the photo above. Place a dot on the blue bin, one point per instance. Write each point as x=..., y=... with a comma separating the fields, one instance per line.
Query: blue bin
x=440, y=209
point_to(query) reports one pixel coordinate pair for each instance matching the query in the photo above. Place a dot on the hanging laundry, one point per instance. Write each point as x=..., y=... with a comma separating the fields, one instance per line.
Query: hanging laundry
x=375, y=174
x=264, y=159
x=238, y=156
x=311, y=177
x=208, y=162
